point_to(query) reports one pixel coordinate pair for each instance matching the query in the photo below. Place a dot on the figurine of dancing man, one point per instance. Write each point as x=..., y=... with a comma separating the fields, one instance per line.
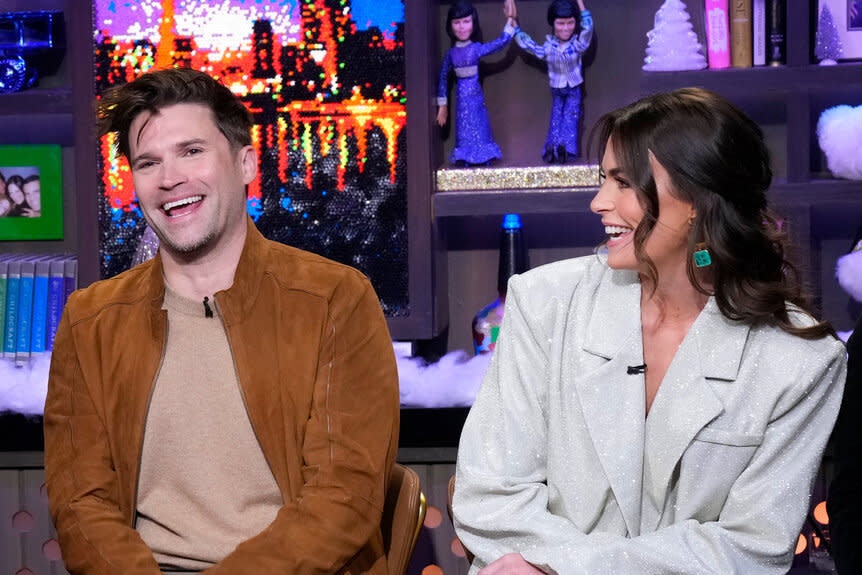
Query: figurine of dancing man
x=572, y=33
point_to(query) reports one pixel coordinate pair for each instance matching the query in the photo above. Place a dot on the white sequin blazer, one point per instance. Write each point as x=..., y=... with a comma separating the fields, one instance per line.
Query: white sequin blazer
x=558, y=463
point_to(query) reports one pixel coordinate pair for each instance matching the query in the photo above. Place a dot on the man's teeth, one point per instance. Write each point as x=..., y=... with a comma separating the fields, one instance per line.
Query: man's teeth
x=185, y=201
x=616, y=230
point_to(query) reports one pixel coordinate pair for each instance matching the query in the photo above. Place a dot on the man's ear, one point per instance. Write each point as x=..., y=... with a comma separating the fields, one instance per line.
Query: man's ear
x=248, y=163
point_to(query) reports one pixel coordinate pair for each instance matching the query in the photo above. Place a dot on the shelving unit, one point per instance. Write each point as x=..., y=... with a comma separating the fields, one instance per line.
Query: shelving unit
x=822, y=213
x=59, y=110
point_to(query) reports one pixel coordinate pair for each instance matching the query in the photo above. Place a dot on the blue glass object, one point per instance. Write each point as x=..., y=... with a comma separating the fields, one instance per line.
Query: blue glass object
x=511, y=222
x=28, y=44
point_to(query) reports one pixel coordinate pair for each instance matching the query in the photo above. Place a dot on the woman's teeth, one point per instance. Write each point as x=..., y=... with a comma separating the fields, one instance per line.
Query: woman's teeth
x=614, y=231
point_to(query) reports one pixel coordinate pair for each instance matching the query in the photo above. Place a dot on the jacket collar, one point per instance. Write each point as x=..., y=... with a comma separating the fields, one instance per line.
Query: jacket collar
x=556, y=43
x=639, y=454
x=235, y=301
x=617, y=312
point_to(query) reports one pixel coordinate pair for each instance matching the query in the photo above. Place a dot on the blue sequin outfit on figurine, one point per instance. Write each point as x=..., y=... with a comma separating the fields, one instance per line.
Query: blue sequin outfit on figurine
x=474, y=141
x=562, y=52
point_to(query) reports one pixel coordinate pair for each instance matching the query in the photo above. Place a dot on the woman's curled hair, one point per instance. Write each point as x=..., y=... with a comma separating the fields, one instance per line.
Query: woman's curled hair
x=717, y=160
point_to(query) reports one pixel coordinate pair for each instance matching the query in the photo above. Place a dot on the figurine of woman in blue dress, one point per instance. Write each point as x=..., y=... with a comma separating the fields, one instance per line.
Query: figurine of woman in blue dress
x=474, y=142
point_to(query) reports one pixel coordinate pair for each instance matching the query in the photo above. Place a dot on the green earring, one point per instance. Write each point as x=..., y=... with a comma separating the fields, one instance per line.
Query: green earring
x=702, y=258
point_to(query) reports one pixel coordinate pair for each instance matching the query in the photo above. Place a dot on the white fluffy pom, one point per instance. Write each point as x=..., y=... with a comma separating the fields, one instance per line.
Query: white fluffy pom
x=848, y=270
x=23, y=389
x=451, y=382
x=839, y=131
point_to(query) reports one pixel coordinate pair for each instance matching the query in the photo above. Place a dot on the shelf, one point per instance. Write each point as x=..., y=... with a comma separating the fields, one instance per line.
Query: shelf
x=761, y=80
x=421, y=430
x=560, y=200
x=36, y=101
x=524, y=190
x=20, y=432
x=483, y=203
x=816, y=191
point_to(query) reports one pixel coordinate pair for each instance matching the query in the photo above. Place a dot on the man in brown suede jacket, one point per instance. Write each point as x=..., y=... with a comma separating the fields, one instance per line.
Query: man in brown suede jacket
x=230, y=406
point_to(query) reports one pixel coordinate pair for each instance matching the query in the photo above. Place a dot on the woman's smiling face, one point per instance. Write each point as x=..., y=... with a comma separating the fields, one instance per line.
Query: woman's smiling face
x=618, y=204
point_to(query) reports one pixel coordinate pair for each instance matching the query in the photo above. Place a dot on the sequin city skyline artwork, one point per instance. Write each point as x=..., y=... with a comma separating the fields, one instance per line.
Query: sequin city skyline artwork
x=324, y=80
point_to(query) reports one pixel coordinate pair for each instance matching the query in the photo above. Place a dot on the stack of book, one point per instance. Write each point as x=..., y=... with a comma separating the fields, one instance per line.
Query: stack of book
x=745, y=33
x=33, y=291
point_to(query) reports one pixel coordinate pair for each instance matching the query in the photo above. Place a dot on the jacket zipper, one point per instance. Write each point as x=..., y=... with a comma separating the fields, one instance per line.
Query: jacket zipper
x=144, y=430
x=242, y=392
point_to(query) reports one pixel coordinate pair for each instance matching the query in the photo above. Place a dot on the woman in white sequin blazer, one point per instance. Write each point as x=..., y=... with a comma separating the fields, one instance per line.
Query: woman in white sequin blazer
x=662, y=407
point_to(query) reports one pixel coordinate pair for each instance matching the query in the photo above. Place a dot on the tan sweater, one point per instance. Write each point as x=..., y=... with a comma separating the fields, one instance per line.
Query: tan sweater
x=205, y=485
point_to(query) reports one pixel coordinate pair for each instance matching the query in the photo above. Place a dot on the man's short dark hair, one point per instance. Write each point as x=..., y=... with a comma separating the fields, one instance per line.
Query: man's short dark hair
x=153, y=91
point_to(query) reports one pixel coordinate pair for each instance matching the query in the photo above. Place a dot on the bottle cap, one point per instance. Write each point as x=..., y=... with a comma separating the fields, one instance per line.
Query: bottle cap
x=511, y=222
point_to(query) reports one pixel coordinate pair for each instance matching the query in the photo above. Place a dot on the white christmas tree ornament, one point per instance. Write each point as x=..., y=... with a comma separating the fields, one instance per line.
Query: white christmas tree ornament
x=828, y=47
x=673, y=44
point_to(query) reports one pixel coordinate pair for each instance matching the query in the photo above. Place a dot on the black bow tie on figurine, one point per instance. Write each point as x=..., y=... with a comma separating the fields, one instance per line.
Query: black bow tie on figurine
x=29, y=44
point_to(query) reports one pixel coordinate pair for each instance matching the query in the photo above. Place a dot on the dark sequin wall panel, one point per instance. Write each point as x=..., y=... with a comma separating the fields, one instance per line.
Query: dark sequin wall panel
x=324, y=80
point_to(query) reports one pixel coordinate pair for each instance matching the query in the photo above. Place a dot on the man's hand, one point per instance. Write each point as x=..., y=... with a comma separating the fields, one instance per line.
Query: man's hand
x=511, y=564
x=510, y=10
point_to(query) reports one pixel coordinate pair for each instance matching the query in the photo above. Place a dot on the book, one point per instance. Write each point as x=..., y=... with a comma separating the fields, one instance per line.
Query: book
x=740, y=34
x=38, y=338
x=717, y=34
x=4, y=266
x=758, y=32
x=776, y=25
x=70, y=277
x=56, y=298
x=23, y=332
x=13, y=274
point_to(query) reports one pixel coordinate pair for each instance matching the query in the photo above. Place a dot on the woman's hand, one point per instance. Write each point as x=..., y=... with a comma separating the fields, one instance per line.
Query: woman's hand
x=442, y=114
x=512, y=564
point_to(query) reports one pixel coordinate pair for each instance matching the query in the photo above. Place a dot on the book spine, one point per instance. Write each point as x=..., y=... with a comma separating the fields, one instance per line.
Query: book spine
x=14, y=275
x=56, y=297
x=776, y=25
x=70, y=277
x=758, y=32
x=23, y=332
x=40, y=307
x=4, y=281
x=717, y=34
x=740, y=34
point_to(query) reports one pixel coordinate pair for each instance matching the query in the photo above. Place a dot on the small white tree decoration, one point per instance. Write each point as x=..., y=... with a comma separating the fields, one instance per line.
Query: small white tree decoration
x=828, y=47
x=672, y=43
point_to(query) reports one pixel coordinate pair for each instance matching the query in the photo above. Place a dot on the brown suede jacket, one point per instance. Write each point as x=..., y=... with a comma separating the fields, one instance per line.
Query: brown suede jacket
x=317, y=373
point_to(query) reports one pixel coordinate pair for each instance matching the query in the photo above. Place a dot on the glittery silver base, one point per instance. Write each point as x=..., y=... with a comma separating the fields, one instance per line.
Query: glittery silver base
x=534, y=177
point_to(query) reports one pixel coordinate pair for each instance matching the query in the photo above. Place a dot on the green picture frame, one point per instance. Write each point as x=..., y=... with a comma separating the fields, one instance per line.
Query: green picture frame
x=22, y=163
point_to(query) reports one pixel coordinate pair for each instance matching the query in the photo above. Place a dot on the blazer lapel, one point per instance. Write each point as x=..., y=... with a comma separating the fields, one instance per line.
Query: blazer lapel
x=612, y=401
x=686, y=402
